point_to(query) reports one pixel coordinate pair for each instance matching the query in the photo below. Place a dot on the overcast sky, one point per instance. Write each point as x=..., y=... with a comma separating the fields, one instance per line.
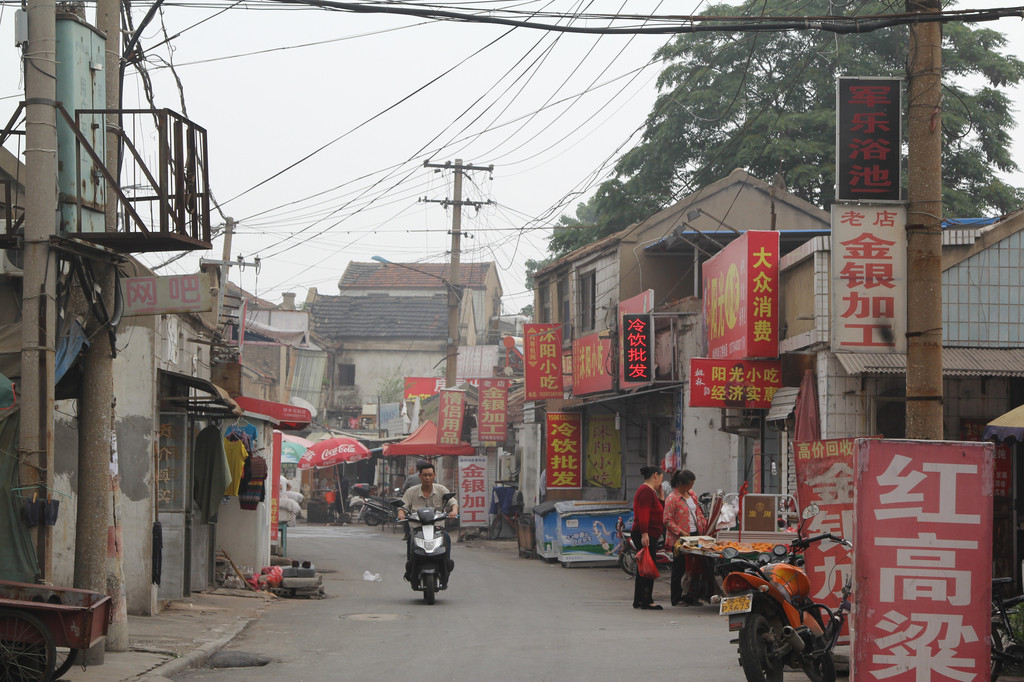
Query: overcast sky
x=380, y=95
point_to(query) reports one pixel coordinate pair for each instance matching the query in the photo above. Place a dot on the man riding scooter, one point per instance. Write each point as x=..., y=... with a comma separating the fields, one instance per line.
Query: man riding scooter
x=428, y=494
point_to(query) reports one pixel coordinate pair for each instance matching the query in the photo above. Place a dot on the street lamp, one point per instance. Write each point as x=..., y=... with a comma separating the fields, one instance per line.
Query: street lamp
x=452, y=347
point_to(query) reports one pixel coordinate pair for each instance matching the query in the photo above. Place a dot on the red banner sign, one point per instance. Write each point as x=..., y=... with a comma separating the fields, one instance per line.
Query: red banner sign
x=734, y=383
x=492, y=412
x=638, y=348
x=450, y=411
x=564, y=461
x=543, y=353
x=922, y=561
x=741, y=298
x=868, y=140
x=591, y=360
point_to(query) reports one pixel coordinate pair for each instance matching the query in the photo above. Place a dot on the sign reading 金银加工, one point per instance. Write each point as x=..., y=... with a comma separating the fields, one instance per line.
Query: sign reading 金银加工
x=492, y=411
x=564, y=451
x=473, y=494
x=450, y=411
x=869, y=278
x=167, y=294
x=922, y=560
x=734, y=383
x=543, y=361
x=741, y=298
x=868, y=139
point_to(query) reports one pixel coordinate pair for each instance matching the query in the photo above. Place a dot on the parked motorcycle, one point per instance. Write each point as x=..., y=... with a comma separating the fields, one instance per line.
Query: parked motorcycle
x=627, y=551
x=373, y=509
x=768, y=602
x=426, y=569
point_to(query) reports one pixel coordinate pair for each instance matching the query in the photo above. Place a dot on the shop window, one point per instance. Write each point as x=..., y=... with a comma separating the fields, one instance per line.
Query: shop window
x=346, y=375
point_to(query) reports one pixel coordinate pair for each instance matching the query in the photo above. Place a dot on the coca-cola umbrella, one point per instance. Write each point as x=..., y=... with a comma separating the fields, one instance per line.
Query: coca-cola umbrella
x=337, y=450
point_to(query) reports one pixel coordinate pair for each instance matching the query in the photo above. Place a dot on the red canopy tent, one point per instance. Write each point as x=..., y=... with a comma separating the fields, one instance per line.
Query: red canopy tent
x=423, y=443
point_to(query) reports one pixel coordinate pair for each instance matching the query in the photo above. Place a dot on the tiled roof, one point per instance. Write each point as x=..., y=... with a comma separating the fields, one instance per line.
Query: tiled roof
x=394, y=276
x=403, y=317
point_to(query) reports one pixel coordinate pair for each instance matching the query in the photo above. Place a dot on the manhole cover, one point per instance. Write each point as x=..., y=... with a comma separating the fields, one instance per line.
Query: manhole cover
x=374, y=616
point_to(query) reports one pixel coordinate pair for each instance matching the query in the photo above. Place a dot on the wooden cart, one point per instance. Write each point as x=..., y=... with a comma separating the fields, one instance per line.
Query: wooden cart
x=43, y=627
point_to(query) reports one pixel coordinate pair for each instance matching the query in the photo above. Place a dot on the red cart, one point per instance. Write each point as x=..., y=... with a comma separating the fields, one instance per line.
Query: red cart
x=43, y=627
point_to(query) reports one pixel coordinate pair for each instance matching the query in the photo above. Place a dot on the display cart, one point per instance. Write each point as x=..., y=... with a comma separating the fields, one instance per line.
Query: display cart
x=42, y=628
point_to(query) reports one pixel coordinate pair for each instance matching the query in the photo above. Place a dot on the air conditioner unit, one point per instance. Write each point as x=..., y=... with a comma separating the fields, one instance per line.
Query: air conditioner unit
x=11, y=262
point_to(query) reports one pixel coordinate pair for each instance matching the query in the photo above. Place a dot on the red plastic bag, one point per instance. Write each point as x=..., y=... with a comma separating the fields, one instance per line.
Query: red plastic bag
x=645, y=565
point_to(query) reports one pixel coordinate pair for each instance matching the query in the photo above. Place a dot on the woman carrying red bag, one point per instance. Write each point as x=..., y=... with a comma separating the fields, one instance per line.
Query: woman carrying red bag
x=648, y=527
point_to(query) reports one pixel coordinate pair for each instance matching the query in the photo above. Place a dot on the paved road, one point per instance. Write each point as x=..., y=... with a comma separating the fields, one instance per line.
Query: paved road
x=502, y=618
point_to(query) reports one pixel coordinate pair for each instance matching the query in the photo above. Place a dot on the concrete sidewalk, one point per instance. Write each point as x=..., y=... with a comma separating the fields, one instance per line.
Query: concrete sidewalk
x=183, y=635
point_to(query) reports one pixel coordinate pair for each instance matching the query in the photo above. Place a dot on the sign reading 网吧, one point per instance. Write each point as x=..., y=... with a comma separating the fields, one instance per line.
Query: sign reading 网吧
x=564, y=452
x=734, y=383
x=543, y=361
x=492, y=411
x=638, y=348
x=868, y=139
x=869, y=278
x=167, y=294
x=450, y=411
x=741, y=298
x=922, y=560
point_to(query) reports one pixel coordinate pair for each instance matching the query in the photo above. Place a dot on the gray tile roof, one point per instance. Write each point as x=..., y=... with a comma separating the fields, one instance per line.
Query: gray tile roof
x=411, y=275
x=402, y=317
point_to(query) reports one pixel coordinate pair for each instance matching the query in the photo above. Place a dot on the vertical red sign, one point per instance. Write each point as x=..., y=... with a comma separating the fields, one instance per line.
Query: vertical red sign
x=450, y=410
x=922, y=560
x=543, y=358
x=868, y=139
x=492, y=412
x=638, y=348
x=275, y=486
x=564, y=461
x=741, y=298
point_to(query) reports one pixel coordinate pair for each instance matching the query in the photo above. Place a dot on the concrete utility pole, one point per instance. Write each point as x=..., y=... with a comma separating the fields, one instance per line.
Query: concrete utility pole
x=924, y=227
x=39, y=322
x=454, y=291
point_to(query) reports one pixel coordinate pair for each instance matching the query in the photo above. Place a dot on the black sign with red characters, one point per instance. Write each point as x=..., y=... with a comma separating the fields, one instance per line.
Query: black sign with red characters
x=868, y=138
x=638, y=348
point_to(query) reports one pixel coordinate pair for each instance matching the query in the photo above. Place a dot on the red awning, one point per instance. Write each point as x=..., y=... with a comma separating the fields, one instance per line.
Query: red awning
x=281, y=415
x=423, y=443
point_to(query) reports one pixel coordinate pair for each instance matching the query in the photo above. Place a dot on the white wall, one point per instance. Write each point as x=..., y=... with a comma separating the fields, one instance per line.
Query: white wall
x=245, y=534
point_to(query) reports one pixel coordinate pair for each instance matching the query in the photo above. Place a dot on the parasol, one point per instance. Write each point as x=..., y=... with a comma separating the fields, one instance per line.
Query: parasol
x=292, y=448
x=337, y=450
x=1007, y=426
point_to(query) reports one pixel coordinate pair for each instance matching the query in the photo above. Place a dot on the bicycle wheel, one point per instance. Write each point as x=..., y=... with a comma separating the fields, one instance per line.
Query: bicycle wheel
x=998, y=634
x=27, y=649
x=494, y=528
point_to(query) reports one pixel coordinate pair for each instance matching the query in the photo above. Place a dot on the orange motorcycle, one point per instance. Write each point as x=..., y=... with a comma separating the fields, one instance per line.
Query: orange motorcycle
x=768, y=603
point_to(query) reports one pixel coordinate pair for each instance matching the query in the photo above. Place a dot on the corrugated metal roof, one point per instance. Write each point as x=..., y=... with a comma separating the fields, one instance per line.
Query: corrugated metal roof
x=783, y=403
x=964, y=362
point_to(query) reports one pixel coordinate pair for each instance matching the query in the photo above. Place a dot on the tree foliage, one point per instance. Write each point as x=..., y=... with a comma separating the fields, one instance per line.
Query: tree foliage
x=765, y=102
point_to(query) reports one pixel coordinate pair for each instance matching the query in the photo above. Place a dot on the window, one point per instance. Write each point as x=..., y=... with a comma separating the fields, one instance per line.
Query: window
x=346, y=375
x=564, y=311
x=544, y=312
x=588, y=304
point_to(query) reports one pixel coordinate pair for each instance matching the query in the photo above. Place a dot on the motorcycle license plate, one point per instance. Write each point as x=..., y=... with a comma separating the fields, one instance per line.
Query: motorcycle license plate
x=741, y=604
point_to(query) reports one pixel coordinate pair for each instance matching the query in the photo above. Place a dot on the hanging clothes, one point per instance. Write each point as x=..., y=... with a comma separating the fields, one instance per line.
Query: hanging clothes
x=236, y=454
x=252, y=489
x=244, y=431
x=212, y=473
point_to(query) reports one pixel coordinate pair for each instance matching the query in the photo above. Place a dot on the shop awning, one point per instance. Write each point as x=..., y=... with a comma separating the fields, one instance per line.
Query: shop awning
x=1008, y=426
x=281, y=415
x=423, y=443
x=964, y=362
x=216, y=402
x=783, y=404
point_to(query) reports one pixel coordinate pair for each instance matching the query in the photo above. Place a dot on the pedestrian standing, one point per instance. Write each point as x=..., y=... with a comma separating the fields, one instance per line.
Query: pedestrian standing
x=684, y=517
x=648, y=525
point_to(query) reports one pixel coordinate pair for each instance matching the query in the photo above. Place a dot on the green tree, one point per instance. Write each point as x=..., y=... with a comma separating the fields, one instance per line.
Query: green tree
x=765, y=102
x=392, y=387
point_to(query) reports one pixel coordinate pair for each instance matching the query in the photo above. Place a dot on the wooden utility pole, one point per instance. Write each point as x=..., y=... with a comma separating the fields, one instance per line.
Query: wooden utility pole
x=454, y=290
x=924, y=226
x=39, y=284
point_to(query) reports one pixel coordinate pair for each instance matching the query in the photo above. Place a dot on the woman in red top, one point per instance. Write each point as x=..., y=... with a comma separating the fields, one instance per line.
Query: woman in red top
x=647, y=529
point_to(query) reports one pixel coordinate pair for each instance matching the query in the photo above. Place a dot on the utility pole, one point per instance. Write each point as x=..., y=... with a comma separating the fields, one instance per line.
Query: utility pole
x=454, y=291
x=38, y=318
x=924, y=226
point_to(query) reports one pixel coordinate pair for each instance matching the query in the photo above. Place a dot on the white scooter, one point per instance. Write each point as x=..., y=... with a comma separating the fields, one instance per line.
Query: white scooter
x=426, y=568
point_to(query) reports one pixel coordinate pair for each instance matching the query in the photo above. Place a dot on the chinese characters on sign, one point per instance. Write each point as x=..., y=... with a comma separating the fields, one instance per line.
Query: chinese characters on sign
x=741, y=298
x=275, y=487
x=543, y=354
x=171, y=294
x=450, y=410
x=868, y=140
x=640, y=304
x=604, y=454
x=923, y=560
x=638, y=348
x=734, y=383
x=869, y=278
x=591, y=360
x=492, y=412
x=170, y=473
x=472, y=491
x=564, y=461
